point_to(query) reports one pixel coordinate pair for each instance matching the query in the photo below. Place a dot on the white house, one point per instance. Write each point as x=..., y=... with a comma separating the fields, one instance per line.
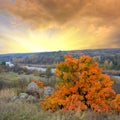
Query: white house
x=10, y=64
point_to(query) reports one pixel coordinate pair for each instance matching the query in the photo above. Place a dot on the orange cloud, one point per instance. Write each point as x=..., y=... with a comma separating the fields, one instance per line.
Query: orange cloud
x=81, y=23
x=38, y=12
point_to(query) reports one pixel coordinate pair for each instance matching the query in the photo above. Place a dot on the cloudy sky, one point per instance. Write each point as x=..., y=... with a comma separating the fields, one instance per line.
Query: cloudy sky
x=52, y=25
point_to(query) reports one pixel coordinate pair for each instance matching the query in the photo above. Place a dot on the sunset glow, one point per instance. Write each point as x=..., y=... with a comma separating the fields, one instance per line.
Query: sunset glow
x=52, y=25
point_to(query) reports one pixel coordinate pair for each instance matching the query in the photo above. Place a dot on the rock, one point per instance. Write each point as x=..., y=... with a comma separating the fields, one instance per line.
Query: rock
x=31, y=99
x=23, y=96
x=32, y=87
x=48, y=91
x=14, y=98
x=17, y=101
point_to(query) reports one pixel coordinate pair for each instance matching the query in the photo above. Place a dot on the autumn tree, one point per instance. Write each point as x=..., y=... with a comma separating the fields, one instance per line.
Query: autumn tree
x=39, y=83
x=106, y=64
x=115, y=104
x=82, y=86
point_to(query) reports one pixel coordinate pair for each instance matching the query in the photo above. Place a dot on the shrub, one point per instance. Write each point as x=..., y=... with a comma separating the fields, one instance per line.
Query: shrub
x=82, y=86
x=39, y=83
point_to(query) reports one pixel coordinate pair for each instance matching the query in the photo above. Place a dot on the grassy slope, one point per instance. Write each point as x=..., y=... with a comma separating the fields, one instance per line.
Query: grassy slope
x=11, y=76
x=28, y=111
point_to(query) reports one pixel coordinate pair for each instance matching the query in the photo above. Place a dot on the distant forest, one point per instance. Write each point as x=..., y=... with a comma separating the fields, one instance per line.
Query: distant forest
x=107, y=58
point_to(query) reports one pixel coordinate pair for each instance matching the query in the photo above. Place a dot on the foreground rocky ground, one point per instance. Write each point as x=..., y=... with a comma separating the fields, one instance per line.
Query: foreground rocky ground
x=33, y=93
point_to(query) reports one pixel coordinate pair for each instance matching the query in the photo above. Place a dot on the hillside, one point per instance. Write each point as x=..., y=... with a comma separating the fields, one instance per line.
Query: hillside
x=105, y=57
x=91, y=52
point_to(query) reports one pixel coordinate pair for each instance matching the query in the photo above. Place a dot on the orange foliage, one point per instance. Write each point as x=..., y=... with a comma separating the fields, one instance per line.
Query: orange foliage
x=115, y=104
x=39, y=83
x=82, y=86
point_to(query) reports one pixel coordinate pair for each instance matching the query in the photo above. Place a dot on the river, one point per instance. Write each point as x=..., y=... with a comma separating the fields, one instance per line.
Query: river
x=118, y=77
x=53, y=70
x=38, y=68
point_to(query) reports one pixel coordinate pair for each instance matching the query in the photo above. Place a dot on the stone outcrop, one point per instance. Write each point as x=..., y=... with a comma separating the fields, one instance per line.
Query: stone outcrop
x=31, y=99
x=48, y=91
x=32, y=87
x=23, y=96
x=33, y=93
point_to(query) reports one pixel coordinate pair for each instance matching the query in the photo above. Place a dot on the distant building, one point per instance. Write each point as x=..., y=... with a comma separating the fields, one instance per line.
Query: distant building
x=10, y=64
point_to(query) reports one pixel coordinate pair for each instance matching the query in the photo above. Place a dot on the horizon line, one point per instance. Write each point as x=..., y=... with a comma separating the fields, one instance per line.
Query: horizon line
x=57, y=51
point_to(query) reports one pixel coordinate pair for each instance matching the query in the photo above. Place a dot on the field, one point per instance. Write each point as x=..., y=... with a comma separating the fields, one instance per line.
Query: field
x=32, y=111
x=12, y=76
x=10, y=110
x=13, y=83
x=12, y=79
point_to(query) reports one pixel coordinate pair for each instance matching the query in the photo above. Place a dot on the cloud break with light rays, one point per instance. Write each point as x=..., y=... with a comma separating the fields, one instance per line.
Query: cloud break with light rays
x=52, y=25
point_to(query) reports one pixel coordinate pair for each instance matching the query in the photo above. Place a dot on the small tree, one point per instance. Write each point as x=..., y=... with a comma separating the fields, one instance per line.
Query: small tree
x=48, y=71
x=3, y=63
x=106, y=64
x=82, y=86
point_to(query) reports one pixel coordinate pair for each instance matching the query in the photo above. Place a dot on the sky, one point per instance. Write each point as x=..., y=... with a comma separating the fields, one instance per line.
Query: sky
x=53, y=25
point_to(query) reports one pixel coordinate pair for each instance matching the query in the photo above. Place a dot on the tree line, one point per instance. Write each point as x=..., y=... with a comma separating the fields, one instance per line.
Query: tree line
x=107, y=62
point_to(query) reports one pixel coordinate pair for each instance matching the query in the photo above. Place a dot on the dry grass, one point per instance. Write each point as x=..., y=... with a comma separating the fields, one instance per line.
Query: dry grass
x=12, y=76
x=14, y=80
x=28, y=111
x=7, y=93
